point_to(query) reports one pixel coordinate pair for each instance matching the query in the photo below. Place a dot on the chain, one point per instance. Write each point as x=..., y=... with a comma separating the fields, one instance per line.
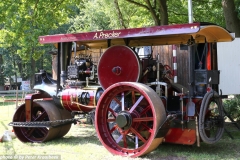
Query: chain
x=44, y=123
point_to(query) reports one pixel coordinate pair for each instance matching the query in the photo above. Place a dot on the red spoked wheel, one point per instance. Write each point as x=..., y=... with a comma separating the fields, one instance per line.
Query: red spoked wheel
x=128, y=117
x=41, y=111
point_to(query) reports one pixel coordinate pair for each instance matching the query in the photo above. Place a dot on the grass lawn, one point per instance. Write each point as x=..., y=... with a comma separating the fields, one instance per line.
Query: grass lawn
x=81, y=143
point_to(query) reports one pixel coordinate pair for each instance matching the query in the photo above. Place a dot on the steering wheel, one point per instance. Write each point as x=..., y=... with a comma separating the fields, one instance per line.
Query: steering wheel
x=168, y=72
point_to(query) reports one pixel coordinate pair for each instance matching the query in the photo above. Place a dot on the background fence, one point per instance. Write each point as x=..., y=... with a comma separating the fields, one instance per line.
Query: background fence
x=16, y=96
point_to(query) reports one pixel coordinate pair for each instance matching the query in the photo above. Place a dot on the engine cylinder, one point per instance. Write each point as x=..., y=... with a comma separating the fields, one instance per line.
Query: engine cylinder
x=76, y=99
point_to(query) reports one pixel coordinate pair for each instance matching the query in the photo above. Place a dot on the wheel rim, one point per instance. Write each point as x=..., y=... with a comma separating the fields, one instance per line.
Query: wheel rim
x=41, y=111
x=211, y=121
x=130, y=130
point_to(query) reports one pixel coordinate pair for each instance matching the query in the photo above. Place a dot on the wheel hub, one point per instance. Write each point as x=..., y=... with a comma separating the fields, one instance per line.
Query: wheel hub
x=124, y=120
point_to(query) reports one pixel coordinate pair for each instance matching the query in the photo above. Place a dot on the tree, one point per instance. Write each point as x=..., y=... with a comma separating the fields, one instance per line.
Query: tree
x=157, y=8
x=232, y=15
x=22, y=22
x=1, y=70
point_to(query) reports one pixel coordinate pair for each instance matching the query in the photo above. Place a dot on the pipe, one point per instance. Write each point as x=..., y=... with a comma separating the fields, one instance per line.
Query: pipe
x=66, y=50
x=158, y=61
x=159, y=83
x=158, y=89
x=190, y=12
x=181, y=99
x=197, y=132
x=58, y=67
x=174, y=59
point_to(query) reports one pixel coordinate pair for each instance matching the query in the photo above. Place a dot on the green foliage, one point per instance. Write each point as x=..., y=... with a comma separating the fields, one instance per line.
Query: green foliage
x=232, y=107
x=135, y=16
x=209, y=12
x=203, y=11
x=101, y=15
x=21, y=23
x=24, y=21
x=178, y=11
x=237, y=5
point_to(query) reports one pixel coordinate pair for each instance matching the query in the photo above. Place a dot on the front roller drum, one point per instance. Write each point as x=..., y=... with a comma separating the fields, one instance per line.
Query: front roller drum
x=41, y=111
x=128, y=117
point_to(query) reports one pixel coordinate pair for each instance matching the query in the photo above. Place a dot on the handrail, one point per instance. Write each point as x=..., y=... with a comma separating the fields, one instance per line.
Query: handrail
x=14, y=91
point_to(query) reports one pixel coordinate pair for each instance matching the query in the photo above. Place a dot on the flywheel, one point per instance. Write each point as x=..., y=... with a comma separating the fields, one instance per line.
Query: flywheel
x=118, y=64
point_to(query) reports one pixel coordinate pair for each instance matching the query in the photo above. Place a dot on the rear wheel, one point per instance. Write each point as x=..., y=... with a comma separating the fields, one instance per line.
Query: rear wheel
x=128, y=117
x=211, y=118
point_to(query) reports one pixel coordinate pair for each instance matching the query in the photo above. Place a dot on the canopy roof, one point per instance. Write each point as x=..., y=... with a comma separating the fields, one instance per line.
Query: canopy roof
x=147, y=36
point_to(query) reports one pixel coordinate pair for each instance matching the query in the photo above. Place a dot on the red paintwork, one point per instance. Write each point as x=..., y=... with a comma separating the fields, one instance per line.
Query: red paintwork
x=184, y=136
x=74, y=104
x=28, y=103
x=181, y=136
x=120, y=67
x=123, y=33
x=209, y=64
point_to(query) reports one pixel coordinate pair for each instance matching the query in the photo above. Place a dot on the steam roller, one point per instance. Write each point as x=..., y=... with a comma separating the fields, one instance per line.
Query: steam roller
x=129, y=114
x=132, y=99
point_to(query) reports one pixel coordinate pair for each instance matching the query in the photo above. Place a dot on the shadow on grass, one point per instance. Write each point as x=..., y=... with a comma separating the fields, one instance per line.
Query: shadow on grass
x=224, y=149
x=79, y=135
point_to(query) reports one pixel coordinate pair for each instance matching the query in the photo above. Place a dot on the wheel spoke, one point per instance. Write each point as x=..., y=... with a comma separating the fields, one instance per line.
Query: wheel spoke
x=123, y=108
x=136, y=142
x=133, y=97
x=147, y=128
x=143, y=119
x=117, y=100
x=119, y=139
x=111, y=120
x=29, y=132
x=44, y=131
x=136, y=104
x=138, y=134
x=112, y=111
x=145, y=110
x=113, y=128
x=125, y=141
x=41, y=116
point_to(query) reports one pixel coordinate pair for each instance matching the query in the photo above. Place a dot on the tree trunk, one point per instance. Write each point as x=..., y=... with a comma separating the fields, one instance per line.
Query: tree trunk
x=231, y=18
x=153, y=13
x=121, y=20
x=1, y=74
x=15, y=74
x=159, y=14
x=33, y=62
x=20, y=69
x=163, y=12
